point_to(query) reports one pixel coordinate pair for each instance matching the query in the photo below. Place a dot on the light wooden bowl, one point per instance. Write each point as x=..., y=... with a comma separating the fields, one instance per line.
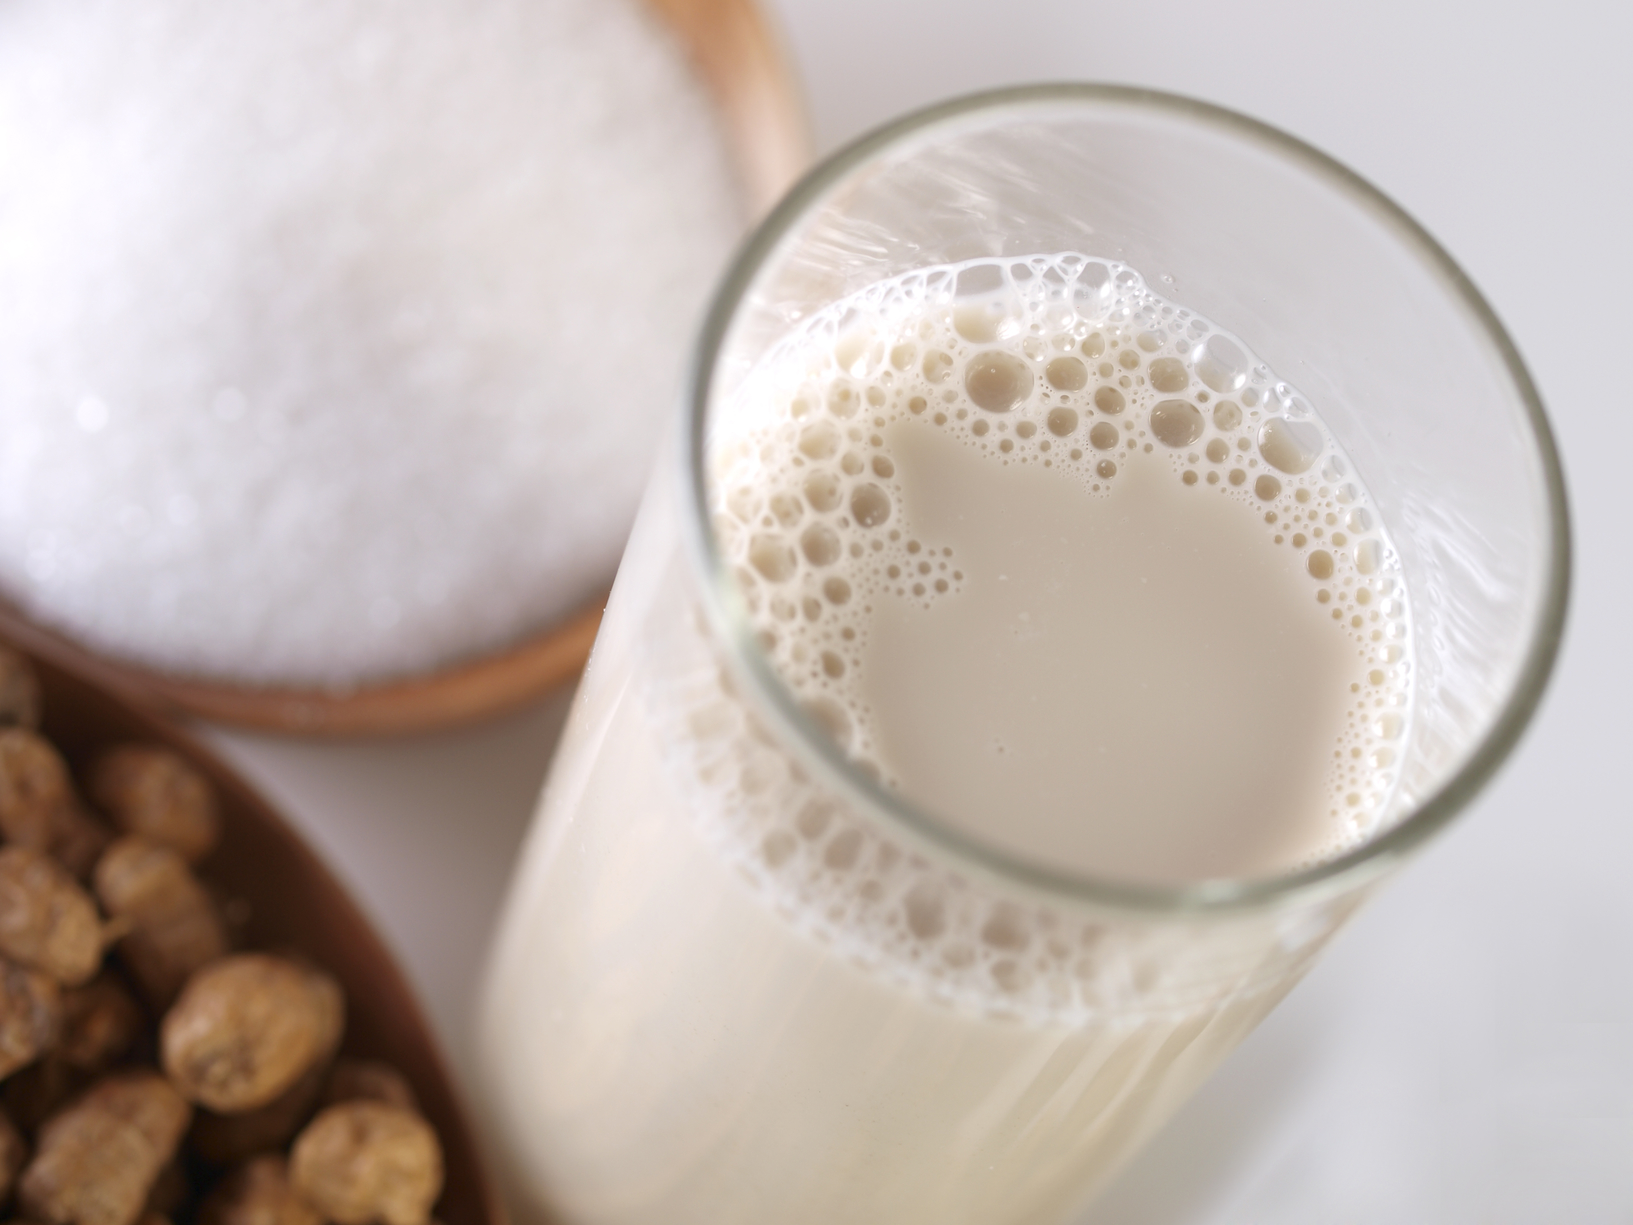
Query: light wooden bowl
x=294, y=903
x=739, y=57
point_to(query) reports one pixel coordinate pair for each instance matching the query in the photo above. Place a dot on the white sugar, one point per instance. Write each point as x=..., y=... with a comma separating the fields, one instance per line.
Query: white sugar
x=336, y=335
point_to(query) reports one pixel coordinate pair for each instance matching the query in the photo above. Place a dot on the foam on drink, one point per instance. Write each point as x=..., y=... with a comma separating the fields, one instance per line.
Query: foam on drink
x=1048, y=392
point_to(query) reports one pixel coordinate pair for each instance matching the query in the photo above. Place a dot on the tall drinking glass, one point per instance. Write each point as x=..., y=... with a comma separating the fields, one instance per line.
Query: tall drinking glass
x=740, y=979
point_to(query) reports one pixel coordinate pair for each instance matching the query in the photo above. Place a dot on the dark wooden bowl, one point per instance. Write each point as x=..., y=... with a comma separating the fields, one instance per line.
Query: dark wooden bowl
x=294, y=903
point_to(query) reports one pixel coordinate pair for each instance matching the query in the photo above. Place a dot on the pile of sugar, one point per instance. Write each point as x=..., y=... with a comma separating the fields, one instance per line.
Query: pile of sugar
x=335, y=334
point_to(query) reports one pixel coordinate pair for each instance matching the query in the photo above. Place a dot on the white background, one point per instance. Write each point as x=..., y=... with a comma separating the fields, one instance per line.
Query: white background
x=1465, y=1051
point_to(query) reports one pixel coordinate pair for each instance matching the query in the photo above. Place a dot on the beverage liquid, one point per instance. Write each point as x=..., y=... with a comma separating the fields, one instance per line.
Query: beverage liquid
x=1058, y=563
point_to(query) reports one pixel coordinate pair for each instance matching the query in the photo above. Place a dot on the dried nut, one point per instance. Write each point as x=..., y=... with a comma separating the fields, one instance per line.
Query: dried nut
x=100, y=1022
x=171, y=1191
x=19, y=691
x=247, y=1028
x=38, y=808
x=258, y=1193
x=364, y=1162
x=174, y=926
x=13, y=1153
x=30, y=1016
x=227, y=1139
x=98, y=1160
x=34, y=788
x=250, y=1038
x=47, y=922
x=152, y=792
x=38, y=1091
x=368, y=1080
x=78, y=840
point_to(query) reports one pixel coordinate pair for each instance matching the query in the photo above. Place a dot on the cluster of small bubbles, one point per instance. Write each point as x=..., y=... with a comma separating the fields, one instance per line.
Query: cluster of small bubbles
x=891, y=911
x=1062, y=362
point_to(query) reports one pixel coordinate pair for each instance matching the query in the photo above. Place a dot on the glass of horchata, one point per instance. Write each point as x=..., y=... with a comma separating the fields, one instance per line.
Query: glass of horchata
x=1106, y=538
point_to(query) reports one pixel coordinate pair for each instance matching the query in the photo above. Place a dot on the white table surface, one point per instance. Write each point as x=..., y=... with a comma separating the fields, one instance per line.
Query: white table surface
x=1465, y=1051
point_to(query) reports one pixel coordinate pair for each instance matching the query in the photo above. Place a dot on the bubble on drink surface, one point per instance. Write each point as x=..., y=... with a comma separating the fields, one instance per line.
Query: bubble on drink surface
x=1109, y=400
x=820, y=544
x=843, y=400
x=1007, y=928
x=1222, y=365
x=832, y=718
x=977, y=323
x=1169, y=374
x=823, y=491
x=1066, y=374
x=777, y=847
x=1368, y=557
x=786, y=509
x=1103, y=436
x=1290, y=446
x=925, y=908
x=844, y=849
x=870, y=505
x=1226, y=416
x=1176, y=423
x=820, y=440
x=773, y=557
x=938, y=365
x=997, y=381
x=1062, y=421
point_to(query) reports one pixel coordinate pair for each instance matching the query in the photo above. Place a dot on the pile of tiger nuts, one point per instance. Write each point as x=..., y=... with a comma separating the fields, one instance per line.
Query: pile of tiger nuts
x=150, y=1072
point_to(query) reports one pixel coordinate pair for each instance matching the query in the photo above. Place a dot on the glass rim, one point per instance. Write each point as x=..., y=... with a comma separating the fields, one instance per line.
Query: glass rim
x=728, y=619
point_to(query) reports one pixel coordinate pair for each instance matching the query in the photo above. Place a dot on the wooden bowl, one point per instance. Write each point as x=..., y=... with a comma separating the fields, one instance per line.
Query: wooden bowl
x=293, y=902
x=738, y=55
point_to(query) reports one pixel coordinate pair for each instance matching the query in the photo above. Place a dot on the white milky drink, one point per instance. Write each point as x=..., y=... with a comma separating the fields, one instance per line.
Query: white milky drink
x=1054, y=561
